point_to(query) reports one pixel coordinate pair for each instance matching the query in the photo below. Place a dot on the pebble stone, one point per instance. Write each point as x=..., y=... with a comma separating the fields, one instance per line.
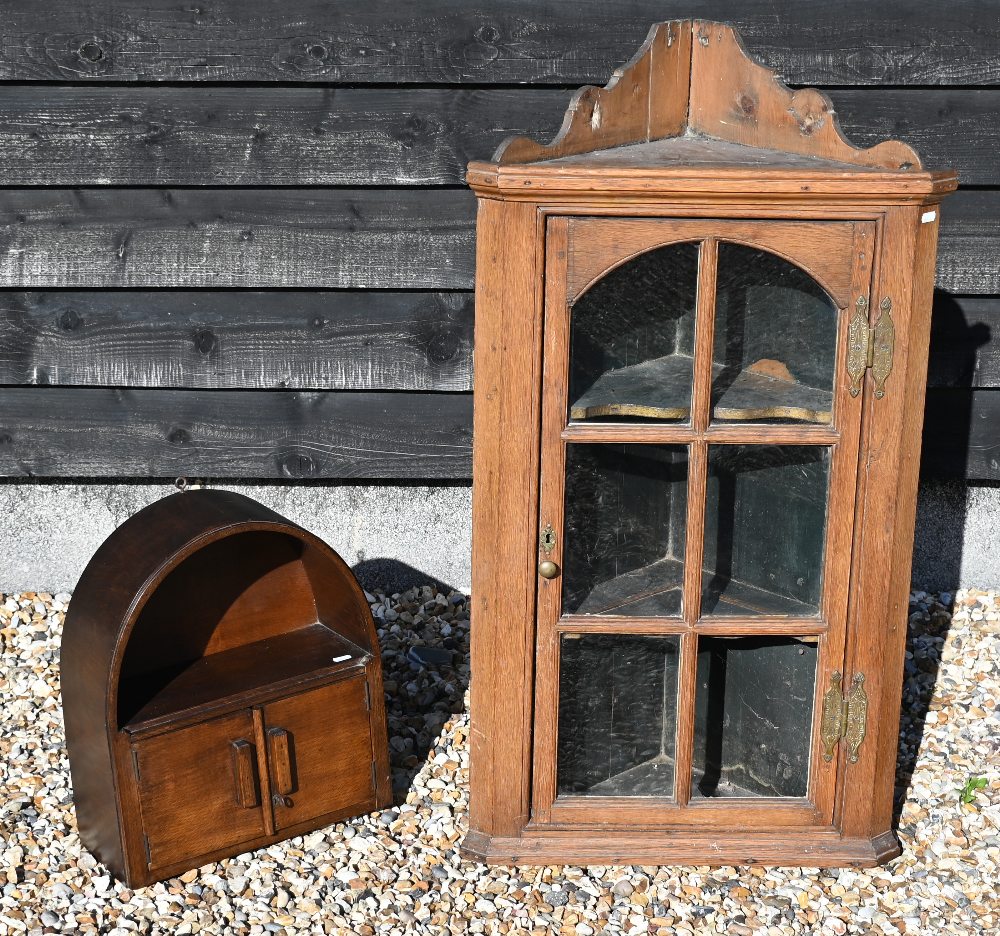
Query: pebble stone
x=398, y=871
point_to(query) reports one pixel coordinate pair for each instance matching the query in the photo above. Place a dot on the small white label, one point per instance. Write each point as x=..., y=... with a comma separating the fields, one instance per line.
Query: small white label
x=928, y=216
x=341, y=659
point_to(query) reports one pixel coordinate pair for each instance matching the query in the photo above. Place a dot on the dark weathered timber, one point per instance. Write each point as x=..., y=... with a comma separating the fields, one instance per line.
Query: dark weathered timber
x=327, y=340
x=346, y=238
x=79, y=135
x=970, y=243
x=58, y=432
x=947, y=126
x=962, y=434
x=855, y=42
x=965, y=342
x=122, y=433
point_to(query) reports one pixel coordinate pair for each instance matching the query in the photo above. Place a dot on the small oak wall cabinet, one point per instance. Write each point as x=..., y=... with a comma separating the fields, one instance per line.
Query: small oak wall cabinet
x=702, y=322
x=221, y=685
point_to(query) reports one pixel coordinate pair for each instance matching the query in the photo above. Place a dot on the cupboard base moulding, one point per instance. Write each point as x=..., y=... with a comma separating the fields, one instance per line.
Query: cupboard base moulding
x=819, y=849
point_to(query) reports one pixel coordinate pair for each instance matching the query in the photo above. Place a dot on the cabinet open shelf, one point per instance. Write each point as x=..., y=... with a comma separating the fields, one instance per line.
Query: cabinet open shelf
x=661, y=389
x=185, y=689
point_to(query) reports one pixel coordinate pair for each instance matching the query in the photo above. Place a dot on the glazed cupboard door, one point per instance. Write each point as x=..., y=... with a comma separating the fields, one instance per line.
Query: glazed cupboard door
x=699, y=459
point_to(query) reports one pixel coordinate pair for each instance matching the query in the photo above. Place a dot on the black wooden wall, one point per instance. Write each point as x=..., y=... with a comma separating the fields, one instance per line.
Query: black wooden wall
x=235, y=242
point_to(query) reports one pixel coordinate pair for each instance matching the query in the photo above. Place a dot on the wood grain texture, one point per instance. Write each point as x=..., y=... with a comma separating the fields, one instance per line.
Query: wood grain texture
x=79, y=135
x=897, y=42
x=646, y=99
x=348, y=239
x=734, y=98
x=328, y=340
x=354, y=238
x=200, y=433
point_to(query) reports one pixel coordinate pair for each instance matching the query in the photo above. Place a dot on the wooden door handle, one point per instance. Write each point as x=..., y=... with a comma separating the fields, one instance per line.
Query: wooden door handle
x=247, y=794
x=280, y=758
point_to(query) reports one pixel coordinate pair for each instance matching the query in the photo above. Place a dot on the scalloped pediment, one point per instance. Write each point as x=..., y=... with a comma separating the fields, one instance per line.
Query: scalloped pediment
x=694, y=78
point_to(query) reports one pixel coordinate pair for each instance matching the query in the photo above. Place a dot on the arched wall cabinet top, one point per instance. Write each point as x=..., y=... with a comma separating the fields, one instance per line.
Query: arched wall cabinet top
x=207, y=606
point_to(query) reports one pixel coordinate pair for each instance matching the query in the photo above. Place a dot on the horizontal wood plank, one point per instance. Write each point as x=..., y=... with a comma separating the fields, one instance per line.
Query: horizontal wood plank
x=55, y=432
x=962, y=435
x=237, y=339
x=852, y=42
x=255, y=238
x=79, y=135
x=339, y=238
x=326, y=340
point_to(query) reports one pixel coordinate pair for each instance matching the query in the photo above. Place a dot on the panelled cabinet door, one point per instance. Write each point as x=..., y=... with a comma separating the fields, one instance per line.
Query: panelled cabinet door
x=320, y=753
x=199, y=789
x=700, y=433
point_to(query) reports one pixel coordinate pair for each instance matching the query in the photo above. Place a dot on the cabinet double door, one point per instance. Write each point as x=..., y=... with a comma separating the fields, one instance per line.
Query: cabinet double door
x=255, y=774
x=699, y=465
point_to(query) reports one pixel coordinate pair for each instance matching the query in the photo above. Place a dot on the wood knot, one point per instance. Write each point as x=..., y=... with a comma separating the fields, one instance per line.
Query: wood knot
x=69, y=320
x=747, y=104
x=442, y=347
x=205, y=341
x=91, y=51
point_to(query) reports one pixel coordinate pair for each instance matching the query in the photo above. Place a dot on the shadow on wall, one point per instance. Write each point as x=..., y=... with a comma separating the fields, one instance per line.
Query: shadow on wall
x=942, y=509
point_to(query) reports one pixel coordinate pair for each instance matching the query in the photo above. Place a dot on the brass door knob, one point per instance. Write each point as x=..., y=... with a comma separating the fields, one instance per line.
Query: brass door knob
x=280, y=799
x=548, y=569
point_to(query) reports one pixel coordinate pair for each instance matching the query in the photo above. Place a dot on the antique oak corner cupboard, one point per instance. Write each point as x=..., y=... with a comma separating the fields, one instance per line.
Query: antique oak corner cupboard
x=701, y=347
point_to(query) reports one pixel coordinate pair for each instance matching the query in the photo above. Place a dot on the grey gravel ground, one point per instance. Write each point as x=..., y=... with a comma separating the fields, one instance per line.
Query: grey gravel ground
x=399, y=871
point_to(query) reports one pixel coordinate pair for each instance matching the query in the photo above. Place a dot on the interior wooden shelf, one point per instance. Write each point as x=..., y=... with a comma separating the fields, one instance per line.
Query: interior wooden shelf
x=302, y=654
x=661, y=389
x=652, y=591
x=757, y=396
x=655, y=591
x=655, y=389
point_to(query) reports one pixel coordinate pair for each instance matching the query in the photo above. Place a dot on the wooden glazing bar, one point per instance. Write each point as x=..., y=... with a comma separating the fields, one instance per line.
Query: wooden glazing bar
x=686, y=686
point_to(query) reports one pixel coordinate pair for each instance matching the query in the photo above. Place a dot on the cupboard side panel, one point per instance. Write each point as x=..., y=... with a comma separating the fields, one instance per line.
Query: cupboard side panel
x=504, y=503
x=889, y=465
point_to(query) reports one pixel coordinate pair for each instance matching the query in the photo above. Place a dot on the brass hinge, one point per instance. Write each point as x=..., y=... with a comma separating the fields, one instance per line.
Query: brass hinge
x=844, y=717
x=870, y=347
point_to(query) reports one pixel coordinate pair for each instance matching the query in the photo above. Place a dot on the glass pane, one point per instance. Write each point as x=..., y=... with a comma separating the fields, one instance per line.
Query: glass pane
x=765, y=529
x=632, y=339
x=623, y=529
x=617, y=715
x=753, y=717
x=775, y=338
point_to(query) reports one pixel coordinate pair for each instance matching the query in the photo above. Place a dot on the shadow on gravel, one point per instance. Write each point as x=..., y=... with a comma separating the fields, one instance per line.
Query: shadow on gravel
x=926, y=631
x=424, y=635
